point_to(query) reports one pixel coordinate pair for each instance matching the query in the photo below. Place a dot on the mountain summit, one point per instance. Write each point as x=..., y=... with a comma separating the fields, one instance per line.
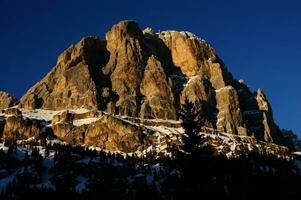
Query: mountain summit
x=144, y=115
x=148, y=75
x=139, y=76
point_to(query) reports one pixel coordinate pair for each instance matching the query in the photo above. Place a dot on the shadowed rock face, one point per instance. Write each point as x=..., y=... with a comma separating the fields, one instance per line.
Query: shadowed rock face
x=148, y=75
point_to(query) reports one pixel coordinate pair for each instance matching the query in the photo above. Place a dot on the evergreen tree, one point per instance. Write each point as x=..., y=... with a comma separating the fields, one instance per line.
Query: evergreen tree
x=195, y=158
x=192, y=122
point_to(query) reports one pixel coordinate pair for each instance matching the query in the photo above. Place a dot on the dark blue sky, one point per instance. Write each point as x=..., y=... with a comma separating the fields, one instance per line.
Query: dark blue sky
x=259, y=40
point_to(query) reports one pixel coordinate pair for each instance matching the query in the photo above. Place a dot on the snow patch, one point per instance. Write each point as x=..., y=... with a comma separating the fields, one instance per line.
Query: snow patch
x=223, y=88
x=39, y=114
x=81, y=122
x=80, y=111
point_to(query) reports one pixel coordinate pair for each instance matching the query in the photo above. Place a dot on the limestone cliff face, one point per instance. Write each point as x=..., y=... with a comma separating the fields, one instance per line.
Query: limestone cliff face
x=105, y=131
x=271, y=133
x=158, y=99
x=149, y=75
x=18, y=128
x=229, y=117
x=72, y=82
x=195, y=57
x=7, y=100
x=128, y=57
x=200, y=92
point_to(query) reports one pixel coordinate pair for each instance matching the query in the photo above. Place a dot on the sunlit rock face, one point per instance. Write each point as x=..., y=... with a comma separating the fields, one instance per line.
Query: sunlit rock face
x=149, y=75
x=7, y=100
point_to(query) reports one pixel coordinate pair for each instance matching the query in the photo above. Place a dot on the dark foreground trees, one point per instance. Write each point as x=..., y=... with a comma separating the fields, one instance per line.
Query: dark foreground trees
x=207, y=175
x=107, y=176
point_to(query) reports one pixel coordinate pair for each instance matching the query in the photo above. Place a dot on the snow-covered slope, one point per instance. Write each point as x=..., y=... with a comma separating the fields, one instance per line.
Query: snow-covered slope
x=165, y=134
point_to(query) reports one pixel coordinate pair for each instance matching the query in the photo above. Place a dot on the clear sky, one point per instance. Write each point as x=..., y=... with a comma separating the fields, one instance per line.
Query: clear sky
x=259, y=40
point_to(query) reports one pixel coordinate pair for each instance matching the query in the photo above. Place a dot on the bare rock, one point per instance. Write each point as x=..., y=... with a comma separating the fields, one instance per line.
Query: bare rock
x=197, y=89
x=194, y=56
x=7, y=100
x=12, y=111
x=113, y=134
x=200, y=92
x=111, y=107
x=71, y=83
x=252, y=116
x=106, y=132
x=271, y=132
x=128, y=56
x=18, y=128
x=64, y=117
x=159, y=99
x=229, y=118
x=146, y=75
x=185, y=50
x=263, y=103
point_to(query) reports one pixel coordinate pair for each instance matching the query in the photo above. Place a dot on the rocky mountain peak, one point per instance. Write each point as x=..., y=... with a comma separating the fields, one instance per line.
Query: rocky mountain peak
x=148, y=75
x=124, y=29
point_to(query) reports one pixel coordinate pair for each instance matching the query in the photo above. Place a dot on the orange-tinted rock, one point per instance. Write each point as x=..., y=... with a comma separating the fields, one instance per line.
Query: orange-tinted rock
x=148, y=75
x=229, y=118
x=271, y=132
x=71, y=83
x=200, y=92
x=18, y=128
x=12, y=111
x=7, y=100
x=159, y=99
x=105, y=131
x=128, y=56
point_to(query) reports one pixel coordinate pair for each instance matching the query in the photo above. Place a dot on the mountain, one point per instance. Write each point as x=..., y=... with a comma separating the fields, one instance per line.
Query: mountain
x=107, y=121
x=141, y=75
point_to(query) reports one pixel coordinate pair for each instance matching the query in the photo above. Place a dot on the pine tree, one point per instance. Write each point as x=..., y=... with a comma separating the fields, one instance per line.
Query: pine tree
x=192, y=123
x=194, y=159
